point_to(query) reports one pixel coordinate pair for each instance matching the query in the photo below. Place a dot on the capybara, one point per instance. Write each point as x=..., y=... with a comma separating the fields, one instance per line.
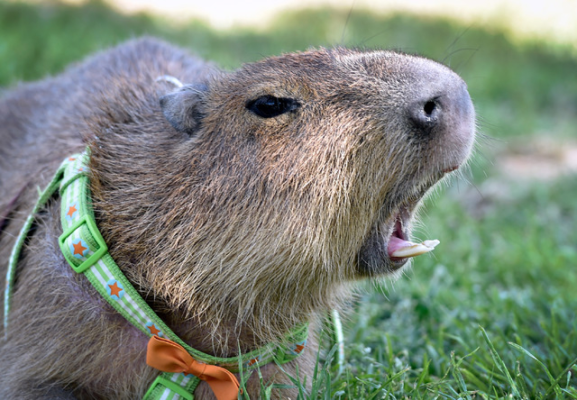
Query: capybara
x=240, y=205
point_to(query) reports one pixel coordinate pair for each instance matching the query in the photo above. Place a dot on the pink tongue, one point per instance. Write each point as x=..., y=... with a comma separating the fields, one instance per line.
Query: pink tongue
x=396, y=243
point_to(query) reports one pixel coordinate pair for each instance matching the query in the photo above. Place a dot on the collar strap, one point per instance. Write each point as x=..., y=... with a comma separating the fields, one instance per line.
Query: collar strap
x=85, y=250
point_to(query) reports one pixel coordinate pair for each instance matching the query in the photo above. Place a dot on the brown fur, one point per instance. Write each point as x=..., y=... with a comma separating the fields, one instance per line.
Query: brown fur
x=233, y=227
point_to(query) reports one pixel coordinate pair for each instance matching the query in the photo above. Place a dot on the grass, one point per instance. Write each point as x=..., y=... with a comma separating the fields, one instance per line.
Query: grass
x=492, y=313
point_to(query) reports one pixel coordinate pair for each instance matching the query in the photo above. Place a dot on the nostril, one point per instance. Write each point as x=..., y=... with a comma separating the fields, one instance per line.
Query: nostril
x=429, y=108
x=426, y=114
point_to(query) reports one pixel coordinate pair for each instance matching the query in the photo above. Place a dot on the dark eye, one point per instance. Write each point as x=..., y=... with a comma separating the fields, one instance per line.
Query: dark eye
x=270, y=106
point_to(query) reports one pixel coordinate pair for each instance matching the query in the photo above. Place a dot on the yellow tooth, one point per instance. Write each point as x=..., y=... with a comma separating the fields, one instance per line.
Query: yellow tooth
x=416, y=249
x=431, y=243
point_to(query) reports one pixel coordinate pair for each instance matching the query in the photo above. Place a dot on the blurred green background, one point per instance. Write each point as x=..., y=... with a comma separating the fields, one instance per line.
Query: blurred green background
x=491, y=313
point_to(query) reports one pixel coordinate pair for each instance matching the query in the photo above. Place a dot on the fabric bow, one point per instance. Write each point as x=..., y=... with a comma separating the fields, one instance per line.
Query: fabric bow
x=168, y=356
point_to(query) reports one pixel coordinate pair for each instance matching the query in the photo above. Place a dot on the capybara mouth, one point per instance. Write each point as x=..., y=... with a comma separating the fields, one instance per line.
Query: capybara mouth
x=386, y=238
x=398, y=237
x=388, y=247
x=400, y=249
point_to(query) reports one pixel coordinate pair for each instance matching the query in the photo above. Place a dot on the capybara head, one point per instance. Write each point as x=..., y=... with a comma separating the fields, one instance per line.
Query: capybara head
x=259, y=194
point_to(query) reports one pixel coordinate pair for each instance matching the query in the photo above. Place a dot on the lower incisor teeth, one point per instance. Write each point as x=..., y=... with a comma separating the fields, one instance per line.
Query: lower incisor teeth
x=416, y=249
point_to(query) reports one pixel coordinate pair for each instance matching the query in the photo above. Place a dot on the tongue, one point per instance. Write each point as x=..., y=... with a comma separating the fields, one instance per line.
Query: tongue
x=399, y=248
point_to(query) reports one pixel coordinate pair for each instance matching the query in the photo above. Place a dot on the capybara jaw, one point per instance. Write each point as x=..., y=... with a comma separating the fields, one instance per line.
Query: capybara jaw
x=388, y=246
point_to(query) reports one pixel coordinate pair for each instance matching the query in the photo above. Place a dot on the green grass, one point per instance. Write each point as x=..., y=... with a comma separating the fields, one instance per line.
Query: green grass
x=492, y=313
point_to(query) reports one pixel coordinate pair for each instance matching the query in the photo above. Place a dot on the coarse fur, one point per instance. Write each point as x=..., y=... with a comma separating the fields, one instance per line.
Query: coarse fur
x=235, y=228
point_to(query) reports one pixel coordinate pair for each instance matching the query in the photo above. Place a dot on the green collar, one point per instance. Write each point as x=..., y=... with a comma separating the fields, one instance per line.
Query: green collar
x=85, y=250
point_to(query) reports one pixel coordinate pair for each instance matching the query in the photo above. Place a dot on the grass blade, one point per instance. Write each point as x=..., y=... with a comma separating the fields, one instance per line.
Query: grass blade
x=500, y=364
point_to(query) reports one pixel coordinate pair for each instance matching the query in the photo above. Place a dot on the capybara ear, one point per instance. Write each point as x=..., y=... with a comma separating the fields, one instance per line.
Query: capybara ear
x=183, y=107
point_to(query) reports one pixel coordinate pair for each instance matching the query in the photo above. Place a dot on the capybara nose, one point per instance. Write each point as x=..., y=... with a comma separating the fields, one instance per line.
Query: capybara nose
x=443, y=112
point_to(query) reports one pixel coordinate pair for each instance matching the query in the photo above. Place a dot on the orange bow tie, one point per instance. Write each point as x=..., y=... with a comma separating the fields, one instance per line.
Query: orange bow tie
x=168, y=356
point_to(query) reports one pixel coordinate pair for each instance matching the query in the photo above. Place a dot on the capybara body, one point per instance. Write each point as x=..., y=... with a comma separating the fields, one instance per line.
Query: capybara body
x=240, y=205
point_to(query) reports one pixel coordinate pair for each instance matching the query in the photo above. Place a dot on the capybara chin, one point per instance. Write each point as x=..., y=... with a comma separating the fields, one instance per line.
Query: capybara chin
x=240, y=204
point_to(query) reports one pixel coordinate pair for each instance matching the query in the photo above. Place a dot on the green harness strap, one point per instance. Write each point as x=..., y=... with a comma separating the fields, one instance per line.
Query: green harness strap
x=85, y=250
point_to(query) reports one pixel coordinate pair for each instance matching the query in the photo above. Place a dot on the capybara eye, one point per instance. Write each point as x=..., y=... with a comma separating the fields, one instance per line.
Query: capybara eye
x=270, y=106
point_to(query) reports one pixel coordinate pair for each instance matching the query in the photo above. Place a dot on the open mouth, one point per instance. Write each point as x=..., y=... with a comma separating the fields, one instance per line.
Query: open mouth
x=388, y=246
x=399, y=248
